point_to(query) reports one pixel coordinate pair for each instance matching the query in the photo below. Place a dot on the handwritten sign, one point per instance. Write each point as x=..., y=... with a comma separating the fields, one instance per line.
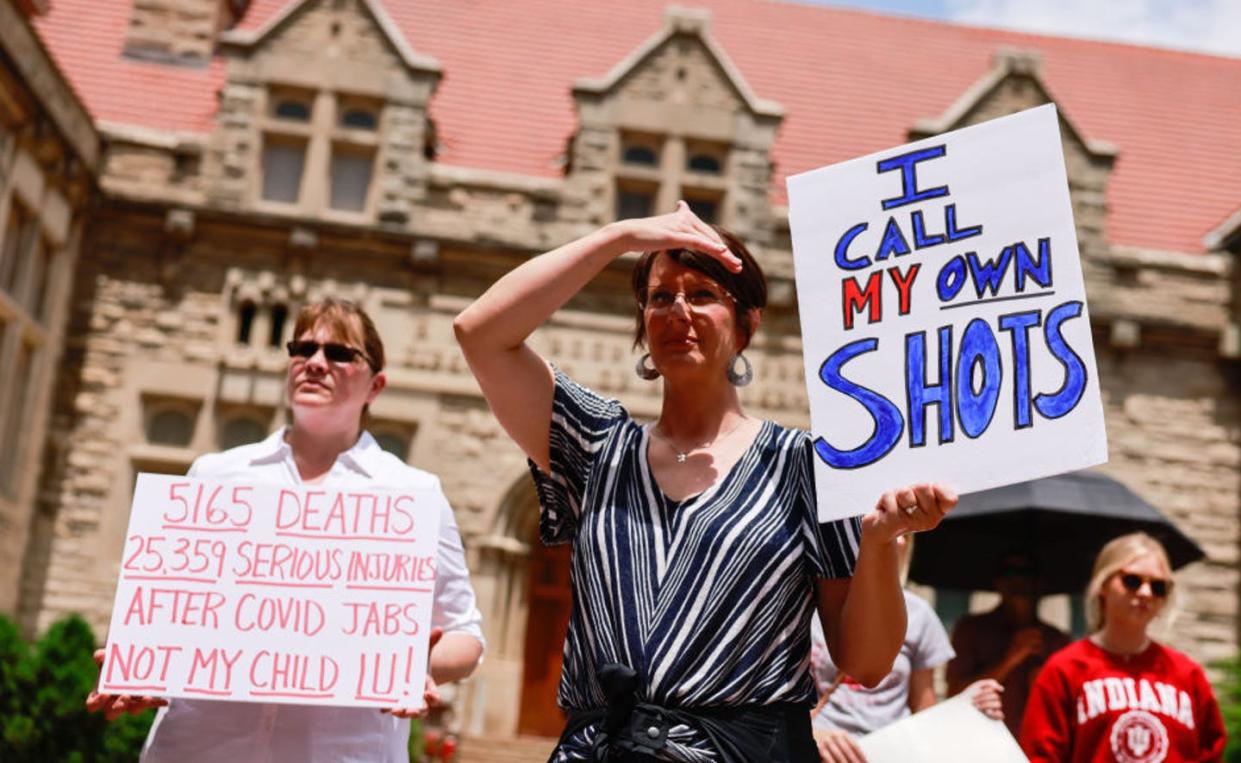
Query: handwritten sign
x=268, y=593
x=949, y=732
x=943, y=315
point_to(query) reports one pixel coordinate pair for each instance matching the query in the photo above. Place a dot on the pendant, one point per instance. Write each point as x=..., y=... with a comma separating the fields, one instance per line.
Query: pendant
x=681, y=457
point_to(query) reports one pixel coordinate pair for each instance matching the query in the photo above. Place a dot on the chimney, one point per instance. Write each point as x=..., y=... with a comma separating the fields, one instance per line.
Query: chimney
x=179, y=31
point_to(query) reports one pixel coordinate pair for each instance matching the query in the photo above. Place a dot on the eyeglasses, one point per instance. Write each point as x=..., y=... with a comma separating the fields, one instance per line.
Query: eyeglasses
x=1160, y=587
x=333, y=351
x=697, y=299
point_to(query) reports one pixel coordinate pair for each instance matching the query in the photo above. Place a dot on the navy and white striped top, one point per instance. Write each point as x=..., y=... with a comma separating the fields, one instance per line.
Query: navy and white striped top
x=709, y=599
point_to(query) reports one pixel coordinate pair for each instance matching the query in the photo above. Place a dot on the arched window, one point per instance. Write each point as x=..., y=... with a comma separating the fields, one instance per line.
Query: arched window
x=396, y=444
x=704, y=163
x=170, y=426
x=241, y=430
x=643, y=155
x=245, y=321
x=279, y=316
x=292, y=110
x=359, y=119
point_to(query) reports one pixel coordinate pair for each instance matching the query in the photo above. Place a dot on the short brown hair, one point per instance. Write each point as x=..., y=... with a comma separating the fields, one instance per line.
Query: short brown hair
x=347, y=322
x=748, y=288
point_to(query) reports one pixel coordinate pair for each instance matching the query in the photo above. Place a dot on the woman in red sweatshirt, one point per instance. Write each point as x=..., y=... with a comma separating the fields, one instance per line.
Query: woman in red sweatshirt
x=1117, y=696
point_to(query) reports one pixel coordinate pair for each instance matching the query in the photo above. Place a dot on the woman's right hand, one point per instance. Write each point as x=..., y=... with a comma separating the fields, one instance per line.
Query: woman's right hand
x=836, y=746
x=115, y=705
x=680, y=229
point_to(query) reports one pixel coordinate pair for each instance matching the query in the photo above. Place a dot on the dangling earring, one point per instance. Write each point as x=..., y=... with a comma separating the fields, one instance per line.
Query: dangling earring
x=743, y=378
x=643, y=372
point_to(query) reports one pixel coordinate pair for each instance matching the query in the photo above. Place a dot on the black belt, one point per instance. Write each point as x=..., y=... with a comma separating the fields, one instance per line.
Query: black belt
x=637, y=731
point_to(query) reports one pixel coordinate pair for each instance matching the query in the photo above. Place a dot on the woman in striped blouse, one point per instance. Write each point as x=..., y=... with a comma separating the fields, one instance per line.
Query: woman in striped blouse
x=697, y=557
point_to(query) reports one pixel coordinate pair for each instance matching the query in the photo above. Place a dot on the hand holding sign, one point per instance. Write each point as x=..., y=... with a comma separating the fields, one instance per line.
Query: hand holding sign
x=114, y=706
x=916, y=508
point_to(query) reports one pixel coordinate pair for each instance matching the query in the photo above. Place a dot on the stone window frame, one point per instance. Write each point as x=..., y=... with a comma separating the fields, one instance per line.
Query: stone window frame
x=405, y=431
x=671, y=177
x=227, y=413
x=323, y=137
x=154, y=405
x=275, y=299
x=25, y=337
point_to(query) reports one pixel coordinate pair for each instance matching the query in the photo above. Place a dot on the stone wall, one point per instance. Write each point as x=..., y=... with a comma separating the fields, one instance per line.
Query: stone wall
x=175, y=29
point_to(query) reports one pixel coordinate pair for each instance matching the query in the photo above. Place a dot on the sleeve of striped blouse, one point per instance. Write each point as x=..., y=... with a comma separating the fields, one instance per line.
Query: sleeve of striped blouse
x=581, y=424
x=831, y=547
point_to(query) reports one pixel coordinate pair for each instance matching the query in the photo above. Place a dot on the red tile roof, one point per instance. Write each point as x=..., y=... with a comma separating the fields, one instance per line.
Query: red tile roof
x=850, y=82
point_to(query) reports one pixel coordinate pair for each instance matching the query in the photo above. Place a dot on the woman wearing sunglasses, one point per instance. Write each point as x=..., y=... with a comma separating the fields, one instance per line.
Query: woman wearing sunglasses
x=335, y=371
x=697, y=558
x=1118, y=696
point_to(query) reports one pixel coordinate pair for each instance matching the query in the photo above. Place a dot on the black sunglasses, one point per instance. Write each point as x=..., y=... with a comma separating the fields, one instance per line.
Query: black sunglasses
x=1133, y=583
x=333, y=351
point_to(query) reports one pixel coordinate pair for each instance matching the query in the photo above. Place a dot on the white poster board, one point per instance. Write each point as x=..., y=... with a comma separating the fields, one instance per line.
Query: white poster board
x=950, y=732
x=943, y=315
x=269, y=593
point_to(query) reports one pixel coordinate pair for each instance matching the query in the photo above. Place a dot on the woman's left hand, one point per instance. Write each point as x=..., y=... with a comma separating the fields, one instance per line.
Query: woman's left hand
x=914, y=508
x=985, y=695
x=430, y=690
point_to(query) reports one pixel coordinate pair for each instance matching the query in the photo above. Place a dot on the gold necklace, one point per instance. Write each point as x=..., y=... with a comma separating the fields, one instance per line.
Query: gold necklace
x=683, y=455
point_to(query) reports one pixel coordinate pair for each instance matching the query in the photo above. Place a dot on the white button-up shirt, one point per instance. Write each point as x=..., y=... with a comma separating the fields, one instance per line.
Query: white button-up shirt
x=194, y=731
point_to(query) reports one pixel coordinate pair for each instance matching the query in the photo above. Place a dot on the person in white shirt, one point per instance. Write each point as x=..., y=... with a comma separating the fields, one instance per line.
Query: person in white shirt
x=335, y=371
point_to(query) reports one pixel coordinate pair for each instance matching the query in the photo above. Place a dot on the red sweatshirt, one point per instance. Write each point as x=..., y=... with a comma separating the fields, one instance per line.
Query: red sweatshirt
x=1091, y=706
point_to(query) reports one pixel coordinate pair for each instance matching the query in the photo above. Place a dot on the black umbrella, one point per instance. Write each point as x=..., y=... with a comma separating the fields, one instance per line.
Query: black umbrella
x=1061, y=522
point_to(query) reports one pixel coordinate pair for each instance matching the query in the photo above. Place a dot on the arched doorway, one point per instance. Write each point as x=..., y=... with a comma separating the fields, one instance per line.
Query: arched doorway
x=549, y=601
x=523, y=592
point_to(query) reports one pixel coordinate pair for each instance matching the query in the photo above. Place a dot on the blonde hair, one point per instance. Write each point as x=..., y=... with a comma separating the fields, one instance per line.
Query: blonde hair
x=1112, y=557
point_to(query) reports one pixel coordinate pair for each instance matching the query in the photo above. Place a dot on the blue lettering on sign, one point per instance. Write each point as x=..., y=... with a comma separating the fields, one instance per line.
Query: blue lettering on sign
x=842, y=249
x=1040, y=271
x=950, y=225
x=893, y=241
x=889, y=424
x=919, y=392
x=988, y=275
x=1019, y=324
x=921, y=239
x=907, y=164
x=976, y=407
x=951, y=278
x=1065, y=399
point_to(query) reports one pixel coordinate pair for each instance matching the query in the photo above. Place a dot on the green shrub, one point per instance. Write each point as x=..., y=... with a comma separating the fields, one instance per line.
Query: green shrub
x=43, y=690
x=1229, y=695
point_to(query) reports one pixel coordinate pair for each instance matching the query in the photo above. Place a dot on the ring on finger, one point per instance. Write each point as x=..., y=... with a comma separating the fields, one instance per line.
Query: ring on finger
x=909, y=510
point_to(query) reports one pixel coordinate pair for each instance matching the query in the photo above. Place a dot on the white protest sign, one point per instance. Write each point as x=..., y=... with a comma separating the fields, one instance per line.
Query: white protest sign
x=952, y=731
x=943, y=315
x=269, y=593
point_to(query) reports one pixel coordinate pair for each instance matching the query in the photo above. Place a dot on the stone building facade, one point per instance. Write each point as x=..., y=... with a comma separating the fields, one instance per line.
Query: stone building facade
x=48, y=150
x=319, y=173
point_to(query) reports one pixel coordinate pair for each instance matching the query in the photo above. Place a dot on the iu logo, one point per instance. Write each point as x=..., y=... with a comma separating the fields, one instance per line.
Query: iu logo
x=1139, y=737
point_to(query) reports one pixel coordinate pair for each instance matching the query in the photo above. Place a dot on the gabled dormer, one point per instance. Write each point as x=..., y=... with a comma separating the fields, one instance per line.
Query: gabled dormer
x=324, y=115
x=674, y=119
x=1015, y=83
